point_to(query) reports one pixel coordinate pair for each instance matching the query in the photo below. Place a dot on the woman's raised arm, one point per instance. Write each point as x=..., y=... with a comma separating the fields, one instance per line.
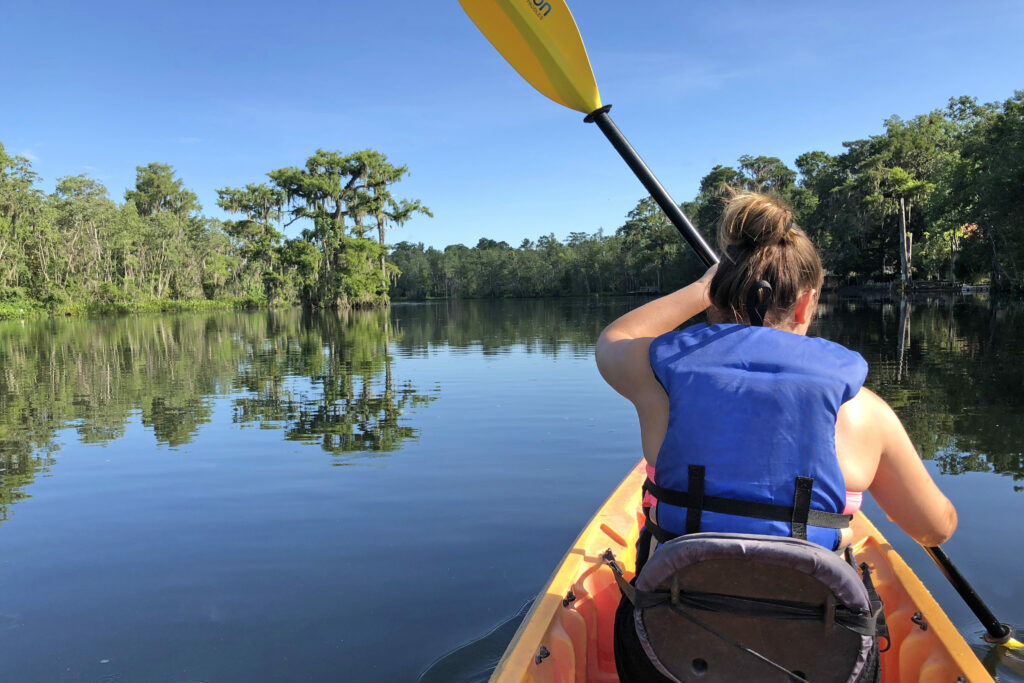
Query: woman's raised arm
x=623, y=346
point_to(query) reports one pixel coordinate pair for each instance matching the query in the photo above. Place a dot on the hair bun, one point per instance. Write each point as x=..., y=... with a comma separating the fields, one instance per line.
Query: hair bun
x=754, y=220
x=762, y=250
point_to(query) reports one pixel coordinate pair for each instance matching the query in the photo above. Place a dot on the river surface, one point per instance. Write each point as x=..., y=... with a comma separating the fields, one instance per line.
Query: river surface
x=274, y=497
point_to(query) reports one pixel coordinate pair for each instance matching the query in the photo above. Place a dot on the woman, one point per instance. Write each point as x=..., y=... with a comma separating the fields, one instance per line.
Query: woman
x=750, y=409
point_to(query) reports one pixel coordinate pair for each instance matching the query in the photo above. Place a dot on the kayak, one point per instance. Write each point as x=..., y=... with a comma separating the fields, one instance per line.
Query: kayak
x=567, y=635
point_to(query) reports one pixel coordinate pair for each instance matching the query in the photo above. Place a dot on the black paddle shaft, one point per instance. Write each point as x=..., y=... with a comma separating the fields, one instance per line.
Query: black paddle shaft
x=658, y=192
x=997, y=632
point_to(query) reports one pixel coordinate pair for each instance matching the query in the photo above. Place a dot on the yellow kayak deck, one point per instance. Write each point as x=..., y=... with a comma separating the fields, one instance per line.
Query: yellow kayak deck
x=564, y=641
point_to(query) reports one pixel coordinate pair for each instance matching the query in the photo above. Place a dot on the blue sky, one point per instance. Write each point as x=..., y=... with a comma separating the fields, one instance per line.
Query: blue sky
x=226, y=91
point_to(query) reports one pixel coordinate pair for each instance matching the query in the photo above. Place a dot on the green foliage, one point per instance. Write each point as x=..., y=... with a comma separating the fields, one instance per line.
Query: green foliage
x=158, y=191
x=645, y=254
x=949, y=180
x=650, y=241
x=77, y=251
x=933, y=197
x=338, y=193
x=986, y=182
x=255, y=241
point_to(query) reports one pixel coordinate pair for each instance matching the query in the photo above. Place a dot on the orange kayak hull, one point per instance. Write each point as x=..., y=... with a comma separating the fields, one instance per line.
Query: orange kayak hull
x=570, y=641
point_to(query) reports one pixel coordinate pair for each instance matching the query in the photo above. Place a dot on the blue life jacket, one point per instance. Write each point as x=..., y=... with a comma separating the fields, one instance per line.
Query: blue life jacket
x=750, y=445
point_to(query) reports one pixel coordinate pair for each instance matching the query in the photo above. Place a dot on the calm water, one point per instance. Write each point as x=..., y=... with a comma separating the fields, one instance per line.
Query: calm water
x=240, y=497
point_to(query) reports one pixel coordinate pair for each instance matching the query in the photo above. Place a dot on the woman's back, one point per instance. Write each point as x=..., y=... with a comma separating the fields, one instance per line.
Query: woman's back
x=764, y=420
x=771, y=275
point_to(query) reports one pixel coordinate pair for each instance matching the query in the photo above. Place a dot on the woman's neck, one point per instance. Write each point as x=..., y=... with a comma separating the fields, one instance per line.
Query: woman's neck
x=717, y=316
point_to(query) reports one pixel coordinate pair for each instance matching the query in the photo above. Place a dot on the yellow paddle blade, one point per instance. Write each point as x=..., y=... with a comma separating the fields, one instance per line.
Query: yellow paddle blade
x=1014, y=644
x=539, y=38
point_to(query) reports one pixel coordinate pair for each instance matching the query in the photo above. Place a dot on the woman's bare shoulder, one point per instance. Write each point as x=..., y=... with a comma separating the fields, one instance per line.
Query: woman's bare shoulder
x=868, y=413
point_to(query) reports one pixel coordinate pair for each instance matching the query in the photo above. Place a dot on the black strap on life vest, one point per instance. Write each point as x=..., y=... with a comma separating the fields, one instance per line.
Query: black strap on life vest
x=801, y=507
x=799, y=515
x=695, y=496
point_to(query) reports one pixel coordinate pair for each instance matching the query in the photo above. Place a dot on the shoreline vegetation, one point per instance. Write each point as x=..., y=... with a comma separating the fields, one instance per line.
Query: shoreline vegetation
x=77, y=251
x=27, y=308
x=930, y=202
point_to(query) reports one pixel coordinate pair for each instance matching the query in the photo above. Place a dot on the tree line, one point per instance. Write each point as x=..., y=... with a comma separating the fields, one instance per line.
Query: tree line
x=936, y=197
x=77, y=249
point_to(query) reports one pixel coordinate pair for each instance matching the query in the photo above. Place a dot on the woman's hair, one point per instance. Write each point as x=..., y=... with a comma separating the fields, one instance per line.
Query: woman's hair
x=760, y=242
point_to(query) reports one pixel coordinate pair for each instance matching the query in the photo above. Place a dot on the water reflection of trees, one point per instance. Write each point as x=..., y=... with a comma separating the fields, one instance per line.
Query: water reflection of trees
x=325, y=379
x=951, y=368
x=549, y=326
x=331, y=383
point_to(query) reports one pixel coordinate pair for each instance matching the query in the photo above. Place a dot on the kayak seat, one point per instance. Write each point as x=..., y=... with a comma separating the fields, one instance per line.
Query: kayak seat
x=722, y=608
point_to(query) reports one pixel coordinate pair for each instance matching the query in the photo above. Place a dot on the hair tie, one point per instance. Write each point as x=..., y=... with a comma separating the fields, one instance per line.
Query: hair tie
x=758, y=304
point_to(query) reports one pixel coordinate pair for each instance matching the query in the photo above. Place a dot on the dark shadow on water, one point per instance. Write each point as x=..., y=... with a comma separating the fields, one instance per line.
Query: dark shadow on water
x=475, y=661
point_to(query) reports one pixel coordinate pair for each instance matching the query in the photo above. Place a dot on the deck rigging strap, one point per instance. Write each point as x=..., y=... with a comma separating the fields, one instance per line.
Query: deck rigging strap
x=862, y=624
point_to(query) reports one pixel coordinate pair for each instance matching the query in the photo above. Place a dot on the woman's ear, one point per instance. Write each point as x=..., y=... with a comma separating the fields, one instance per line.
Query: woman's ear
x=805, y=304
